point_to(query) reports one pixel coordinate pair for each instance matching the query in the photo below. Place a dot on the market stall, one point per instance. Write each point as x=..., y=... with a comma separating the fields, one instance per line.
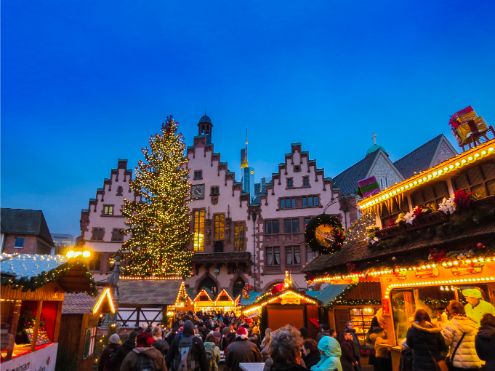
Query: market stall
x=431, y=240
x=83, y=314
x=32, y=293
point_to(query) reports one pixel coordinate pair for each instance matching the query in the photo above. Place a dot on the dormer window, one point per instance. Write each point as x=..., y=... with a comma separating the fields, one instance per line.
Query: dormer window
x=290, y=182
x=198, y=175
x=306, y=181
x=214, y=190
x=297, y=168
x=107, y=209
x=120, y=191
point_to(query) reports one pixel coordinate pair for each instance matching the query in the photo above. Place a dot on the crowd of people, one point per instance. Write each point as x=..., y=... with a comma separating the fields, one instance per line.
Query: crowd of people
x=212, y=342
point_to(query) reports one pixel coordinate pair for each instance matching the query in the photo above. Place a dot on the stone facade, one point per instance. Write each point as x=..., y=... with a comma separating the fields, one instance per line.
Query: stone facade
x=102, y=223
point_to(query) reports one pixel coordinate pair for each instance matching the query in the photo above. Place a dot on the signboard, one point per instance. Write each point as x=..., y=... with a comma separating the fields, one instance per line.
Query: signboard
x=41, y=360
x=368, y=187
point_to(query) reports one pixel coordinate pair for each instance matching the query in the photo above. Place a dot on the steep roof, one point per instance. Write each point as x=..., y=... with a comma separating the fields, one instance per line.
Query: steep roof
x=25, y=222
x=420, y=159
x=347, y=180
x=78, y=303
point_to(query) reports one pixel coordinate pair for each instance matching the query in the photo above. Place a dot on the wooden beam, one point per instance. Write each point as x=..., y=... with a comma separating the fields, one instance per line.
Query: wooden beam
x=36, y=325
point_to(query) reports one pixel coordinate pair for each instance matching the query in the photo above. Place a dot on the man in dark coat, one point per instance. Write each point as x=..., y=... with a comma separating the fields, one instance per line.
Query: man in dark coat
x=485, y=341
x=349, y=359
x=241, y=350
x=197, y=349
x=108, y=360
x=349, y=327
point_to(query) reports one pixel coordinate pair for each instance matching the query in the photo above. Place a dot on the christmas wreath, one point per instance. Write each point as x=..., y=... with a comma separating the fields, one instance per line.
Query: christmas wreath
x=324, y=233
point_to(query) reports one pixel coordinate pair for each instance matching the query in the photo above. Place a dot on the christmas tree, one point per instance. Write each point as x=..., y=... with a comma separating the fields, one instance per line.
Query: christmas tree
x=158, y=223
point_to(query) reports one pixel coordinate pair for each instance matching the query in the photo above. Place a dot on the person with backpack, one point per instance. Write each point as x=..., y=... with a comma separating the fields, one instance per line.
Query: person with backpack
x=109, y=355
x=187, y=352
x=144, y=357
x=212, y=351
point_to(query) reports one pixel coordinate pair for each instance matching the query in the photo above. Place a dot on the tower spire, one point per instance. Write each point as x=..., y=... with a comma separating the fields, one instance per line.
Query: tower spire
x=244, y=154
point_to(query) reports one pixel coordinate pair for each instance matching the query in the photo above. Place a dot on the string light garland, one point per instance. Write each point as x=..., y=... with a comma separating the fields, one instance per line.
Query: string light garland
x=263, y=302
x=466, y=158
x=159, y=222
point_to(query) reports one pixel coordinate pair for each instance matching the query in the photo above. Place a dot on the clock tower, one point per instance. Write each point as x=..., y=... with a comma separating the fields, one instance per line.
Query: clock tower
x=205, y=127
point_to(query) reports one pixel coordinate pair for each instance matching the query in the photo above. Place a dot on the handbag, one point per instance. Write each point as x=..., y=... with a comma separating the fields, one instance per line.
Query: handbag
x=450, y=358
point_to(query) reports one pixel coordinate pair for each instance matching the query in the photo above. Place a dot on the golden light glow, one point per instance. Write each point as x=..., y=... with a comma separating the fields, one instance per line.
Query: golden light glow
x=72, y=254
x=470, y=156
x=275, y=298
x=458, y=281
x=105, y=294
x=151, y=278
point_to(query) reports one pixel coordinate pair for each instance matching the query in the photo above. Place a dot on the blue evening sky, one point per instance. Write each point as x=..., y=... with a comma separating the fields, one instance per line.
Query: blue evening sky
x=85, y=82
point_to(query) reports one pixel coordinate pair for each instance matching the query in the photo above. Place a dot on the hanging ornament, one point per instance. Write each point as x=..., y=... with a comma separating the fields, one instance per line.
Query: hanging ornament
x=324, y=233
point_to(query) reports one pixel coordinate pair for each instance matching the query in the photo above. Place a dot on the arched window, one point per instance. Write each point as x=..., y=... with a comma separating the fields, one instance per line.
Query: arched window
x=238, y=286
x=209, y=285
x=120, y=191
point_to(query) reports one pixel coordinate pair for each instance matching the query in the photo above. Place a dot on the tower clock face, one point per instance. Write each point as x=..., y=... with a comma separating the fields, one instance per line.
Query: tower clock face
x=198, y=192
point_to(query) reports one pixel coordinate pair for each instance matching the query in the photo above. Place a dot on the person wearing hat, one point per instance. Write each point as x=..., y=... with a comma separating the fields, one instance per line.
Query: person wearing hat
x=241, y=350
x=108, y=359
x=476, y=307
x=189, y=349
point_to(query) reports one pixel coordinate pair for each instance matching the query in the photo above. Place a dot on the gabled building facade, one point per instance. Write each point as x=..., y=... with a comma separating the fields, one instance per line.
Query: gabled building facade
x=102, y=222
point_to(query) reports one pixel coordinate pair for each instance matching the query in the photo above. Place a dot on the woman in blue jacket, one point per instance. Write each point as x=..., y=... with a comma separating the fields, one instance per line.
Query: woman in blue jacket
x=330, y=355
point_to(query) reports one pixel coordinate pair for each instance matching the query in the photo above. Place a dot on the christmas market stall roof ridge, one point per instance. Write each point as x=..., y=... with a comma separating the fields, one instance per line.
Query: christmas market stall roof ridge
x=140, y=292
x=32, y=271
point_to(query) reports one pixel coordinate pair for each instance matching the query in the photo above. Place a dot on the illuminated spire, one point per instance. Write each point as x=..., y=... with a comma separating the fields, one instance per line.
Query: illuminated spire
x=244, y=154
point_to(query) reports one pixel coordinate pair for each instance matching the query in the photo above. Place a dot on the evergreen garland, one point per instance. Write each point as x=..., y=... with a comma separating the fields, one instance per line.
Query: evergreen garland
x=318, y=243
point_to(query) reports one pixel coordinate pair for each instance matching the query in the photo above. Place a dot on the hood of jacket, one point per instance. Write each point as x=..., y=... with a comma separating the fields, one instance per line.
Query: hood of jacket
x=150, y=352
x=465, y=324
x=329, y=346
x=486, y=332
x=426, y=327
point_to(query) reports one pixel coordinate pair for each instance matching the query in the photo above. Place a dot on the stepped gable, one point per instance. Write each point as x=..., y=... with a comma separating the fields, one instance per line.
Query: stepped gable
x=107, y=187
x=201, y=141
x=425, y=156
x=289, y=160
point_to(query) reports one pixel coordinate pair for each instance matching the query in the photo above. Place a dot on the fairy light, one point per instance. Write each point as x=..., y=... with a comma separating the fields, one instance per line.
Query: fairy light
x=106, y=294
x=457, y=281
x=259, y=306
x=471, y=156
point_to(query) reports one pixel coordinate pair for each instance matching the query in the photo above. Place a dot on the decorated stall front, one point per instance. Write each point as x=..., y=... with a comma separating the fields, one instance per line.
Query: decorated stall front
x=32, y=293
x=283, y=305
x=427, y=240
x=84, y=315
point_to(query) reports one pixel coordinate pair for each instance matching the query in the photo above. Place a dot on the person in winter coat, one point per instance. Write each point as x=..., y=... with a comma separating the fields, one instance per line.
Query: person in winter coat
x=212, y=351
x=382, y=360
x=128, y=345
x=158, y=341
x=485, y=341
x=265, y=344
x=241, y=350
x=465, y=357
x=349, y=358
x=108, y=360
x=285, y=350
x=330, y=355
x=311, y=354
x=349, y=327
x=144, y=354
x=197, y=354
x=427, y=344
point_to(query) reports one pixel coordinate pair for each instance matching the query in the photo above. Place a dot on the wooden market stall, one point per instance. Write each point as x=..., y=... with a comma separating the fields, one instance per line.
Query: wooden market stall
x=285, y=305
x=224, y=302
x=83, y=315
x=432, y=237
x=33, y=288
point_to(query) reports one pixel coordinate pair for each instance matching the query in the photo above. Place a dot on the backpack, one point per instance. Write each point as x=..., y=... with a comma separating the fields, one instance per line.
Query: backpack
x=144, y=363
x=185, y=361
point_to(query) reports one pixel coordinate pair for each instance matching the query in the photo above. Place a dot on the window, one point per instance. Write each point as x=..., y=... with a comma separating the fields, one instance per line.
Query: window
x=292, y=255
x=307, y=219
x=310, y=254
x=97, y=234
x=219, y=227
x=238, y=287
x=199, y=230
x=478, y=179
x=19, y=242
x=272, y=256
x=288, y=203
x=297, y=168
x=117, y=235
x=107, y=209
x=214, y=190
x=306, y=181
x=310, y=201
x=89, y=342
x=198, y=174
x=291, y=225
x=290, y=182
x=120, y=191
x=272, y=226
x=239, y=237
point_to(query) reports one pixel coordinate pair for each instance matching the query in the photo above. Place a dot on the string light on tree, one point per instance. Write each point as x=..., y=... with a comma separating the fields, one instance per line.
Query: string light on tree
x=158, y=223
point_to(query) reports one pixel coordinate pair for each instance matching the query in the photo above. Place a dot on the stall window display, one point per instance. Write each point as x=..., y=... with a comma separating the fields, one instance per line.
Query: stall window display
x=477, y=301
x=361, y=319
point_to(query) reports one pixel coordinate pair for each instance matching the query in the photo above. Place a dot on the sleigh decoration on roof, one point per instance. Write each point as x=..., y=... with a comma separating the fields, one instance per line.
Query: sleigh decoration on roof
x=470, y=129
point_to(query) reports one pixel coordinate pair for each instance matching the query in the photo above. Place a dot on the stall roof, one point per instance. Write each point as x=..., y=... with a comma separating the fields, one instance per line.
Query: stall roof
x=328, y=294
x=252, y=297
x=139, y=292
x=31, y=271
x=81, y=303
x=25, y=222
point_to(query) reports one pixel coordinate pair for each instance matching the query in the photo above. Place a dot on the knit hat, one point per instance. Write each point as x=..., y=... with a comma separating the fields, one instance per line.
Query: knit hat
x=472, y=293
x=114, y=339
x=242, y=332
x=188, y=328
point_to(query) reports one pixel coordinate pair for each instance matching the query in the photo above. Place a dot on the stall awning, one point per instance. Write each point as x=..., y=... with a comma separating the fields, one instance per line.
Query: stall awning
x=328, y=294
